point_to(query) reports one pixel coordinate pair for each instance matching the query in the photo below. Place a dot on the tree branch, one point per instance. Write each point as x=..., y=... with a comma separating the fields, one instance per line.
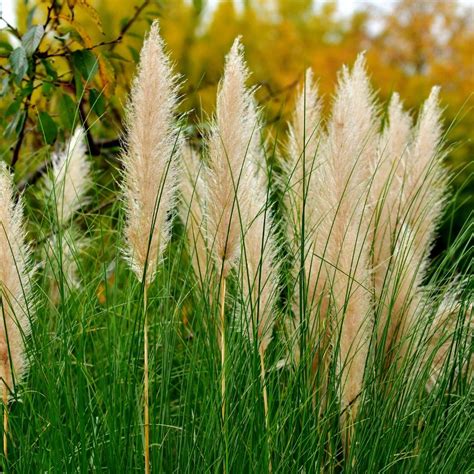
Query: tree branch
x=132, y=20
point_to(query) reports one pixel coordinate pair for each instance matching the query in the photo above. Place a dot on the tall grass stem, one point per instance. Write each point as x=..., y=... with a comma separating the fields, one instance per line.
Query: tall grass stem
x=5, y=421
x=146, y=383
x=222, y=344
x=265, y=404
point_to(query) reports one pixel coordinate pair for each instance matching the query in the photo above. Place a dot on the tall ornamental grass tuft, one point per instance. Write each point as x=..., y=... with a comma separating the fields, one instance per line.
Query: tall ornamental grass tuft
x=15, y=293
x=150, y=176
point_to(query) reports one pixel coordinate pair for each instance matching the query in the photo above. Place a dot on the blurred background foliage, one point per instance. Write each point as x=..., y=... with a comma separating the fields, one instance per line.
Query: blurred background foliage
x=72, y=60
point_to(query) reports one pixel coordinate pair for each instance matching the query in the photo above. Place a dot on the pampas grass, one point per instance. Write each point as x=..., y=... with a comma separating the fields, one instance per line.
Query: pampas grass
x=348, y=186
x=193, y=213
x=67, y=186
x=224, y=208
x=150, y=175
x=150, y=170
x=230, y=144
x=232, y=135
x=423, y=198
x=336, y=259
x=70, y=178
x=452, y=321
x=15, y=292
x=358, y=228
x=408, y=191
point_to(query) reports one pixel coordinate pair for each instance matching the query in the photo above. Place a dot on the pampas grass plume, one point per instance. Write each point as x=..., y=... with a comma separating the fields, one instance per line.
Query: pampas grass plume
x=67, y=184
x=15, y=275
x=425, y=177
x=193, y=211
x=71, y=176
x=230, y=143
x=422, y=195
x=336, y=229
x=341, y=230
x=302, y=148
x=150, y=176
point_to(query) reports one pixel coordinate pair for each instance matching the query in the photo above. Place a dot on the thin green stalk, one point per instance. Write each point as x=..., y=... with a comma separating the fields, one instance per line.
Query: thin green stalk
x=146, y=383
x=265, y=405
x=5, y=421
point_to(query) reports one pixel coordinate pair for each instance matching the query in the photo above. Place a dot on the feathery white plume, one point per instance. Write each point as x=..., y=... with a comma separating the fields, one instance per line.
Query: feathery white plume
x=231, y=144
x=193, y=211
x=150, y=176
x=70, y=178
x=260, y=266
x=421, y=201
x=68, y=184
x=425, y=178
x=391, y=254
x=337, y=278
x=303, y=143
x=15, y=285
x=341, y=229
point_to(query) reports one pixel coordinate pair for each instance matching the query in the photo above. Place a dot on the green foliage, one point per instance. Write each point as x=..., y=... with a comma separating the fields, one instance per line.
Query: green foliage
x=32, y=38
x=19, y=63
x=47, y=127
x=67, y=111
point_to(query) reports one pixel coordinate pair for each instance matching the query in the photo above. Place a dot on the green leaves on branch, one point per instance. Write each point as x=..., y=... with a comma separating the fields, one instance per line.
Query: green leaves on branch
x=5, y=48
x=68, y=112
x=85, y=66
x=97, y=102
x=19, y=56
x=19, y=63
x=86, y=63
x=47, y=127
x=32, y=38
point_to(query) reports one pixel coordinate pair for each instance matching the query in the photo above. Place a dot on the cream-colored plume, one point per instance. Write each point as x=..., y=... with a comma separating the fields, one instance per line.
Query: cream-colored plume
x=193, y=212
x=71, y=177
x=260, y=267
x=150, y=170
x=425, y=178
x=67, y=184
x=392, y=274
x=302, y=148
x=15, y=285
x=337, y=277
x=414, y=202
x=451, y=321
x=150, y=177
x=231, y=144
x=341, y=229
x=227, y=200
